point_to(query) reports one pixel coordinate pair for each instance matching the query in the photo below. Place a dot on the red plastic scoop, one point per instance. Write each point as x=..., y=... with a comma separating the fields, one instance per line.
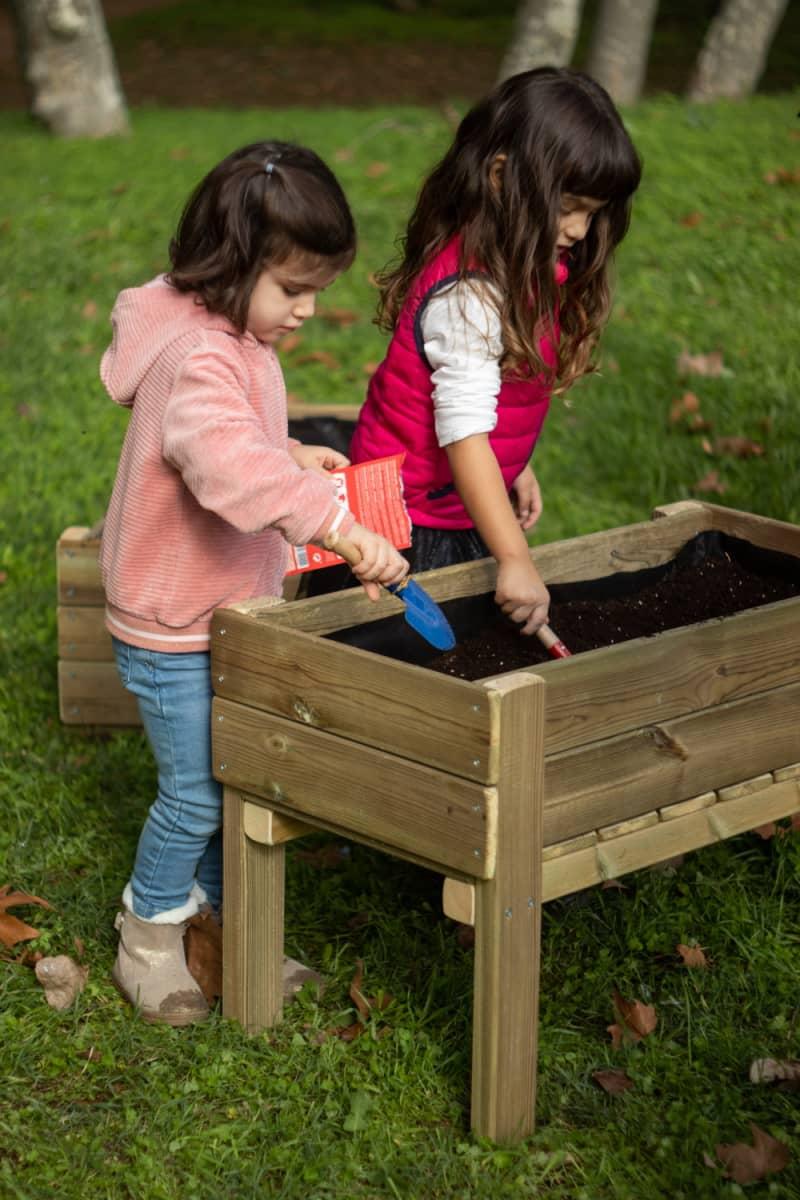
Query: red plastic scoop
x=552, y=643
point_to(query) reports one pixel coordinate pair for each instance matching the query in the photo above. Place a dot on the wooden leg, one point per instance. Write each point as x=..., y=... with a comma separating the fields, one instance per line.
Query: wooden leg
x=508, y=924
x=252, y=929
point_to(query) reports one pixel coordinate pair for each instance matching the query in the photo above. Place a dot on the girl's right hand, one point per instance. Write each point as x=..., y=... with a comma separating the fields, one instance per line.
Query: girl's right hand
x=381, y=562
x=521, y=594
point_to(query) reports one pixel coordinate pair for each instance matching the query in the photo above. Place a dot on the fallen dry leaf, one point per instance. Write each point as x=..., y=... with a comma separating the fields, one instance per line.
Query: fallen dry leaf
x=770, y=1070
x=691, y=220
x=376, y=169
x=637, y=1019
x=711, y=483
x=342, y=317
x=62, y=979
x=613, y=1080
x=366, y=1004
x=12, y=930
x=203, y=946
x=89, y=310
x=616, y=1033
x=766, y=831
x=693, y=956
x=747, y=1164
x=783, y=175
x=710, y=365
x=323, y=357
x=738, y=447
x=289, y=343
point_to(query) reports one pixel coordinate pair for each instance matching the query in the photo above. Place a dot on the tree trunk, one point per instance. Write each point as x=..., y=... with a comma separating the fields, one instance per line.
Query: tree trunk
x=735, y=49
x=620, y=45
x=69, y=66
x=545, y=32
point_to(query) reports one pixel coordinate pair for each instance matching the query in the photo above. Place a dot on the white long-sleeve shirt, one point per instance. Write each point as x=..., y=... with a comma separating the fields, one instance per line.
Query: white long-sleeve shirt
x=461, y=334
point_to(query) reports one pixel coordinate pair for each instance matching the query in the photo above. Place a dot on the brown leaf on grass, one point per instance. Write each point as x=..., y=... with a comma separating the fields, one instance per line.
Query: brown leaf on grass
x=613, y=885
x=637, y=1019
x=3, y=576
x=62, y=979
x=326, y=857
x=178, y=153
x=366, y=1004
x=691, y=220
x=369, y=368
x=89, y=310
x=710, y=365
x=747, y=1164
x=341, y=317
x=737, y=447
x=323, y=357
x=290, y=342
x=693, y=956
x=783, y=175
x=343, y=154
x=376, y=169
x=12, y=930
x=613, y=1080
x=772, y=1070
x=710, y=483
x=685, y=405
x=617, y=1033
x=766, y=831
x=202, y=944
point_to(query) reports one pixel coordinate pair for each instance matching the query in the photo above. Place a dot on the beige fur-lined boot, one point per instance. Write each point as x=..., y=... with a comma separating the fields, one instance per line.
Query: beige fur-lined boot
x=151, y=971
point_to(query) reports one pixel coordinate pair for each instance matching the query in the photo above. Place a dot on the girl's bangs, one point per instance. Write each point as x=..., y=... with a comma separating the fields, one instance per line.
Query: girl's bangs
x=606, y=169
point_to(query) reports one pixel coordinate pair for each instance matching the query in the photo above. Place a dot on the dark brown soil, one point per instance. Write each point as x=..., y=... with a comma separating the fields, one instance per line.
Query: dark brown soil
x=720, y=584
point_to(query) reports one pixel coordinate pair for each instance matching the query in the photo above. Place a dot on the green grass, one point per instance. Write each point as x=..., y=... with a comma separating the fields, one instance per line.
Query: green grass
x=208, y=1113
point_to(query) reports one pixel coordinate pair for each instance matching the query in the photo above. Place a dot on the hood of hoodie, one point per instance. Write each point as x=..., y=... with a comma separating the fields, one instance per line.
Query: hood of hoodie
x=146, y=320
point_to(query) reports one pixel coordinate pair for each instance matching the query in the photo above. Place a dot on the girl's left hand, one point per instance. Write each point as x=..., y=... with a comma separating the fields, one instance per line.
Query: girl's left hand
x=526, y=498
x=318, y=458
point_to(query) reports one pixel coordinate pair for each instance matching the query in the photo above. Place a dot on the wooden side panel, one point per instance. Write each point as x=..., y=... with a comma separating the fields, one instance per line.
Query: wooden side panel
x=619, y=778
x=82, y=634
x=761, y=531
x=252, y=929
x=405, y=710
x=508, y=927
x=312, y=775
x=90, y=693
x=608, y=691
x=77, y=567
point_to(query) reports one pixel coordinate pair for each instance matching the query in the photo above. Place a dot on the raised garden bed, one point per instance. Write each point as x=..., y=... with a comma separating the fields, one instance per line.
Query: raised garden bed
x=518, y=787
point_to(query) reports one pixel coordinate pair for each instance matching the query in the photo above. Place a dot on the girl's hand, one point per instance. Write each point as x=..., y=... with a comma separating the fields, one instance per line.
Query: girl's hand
x=318, y=458
x=381, y=562
x=521, y=594
x=526, y=498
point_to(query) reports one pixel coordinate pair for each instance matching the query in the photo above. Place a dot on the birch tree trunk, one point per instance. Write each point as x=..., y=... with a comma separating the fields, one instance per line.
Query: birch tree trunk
x=545, y=32
x=735, y=49
x=70, y=68
x=620, y=45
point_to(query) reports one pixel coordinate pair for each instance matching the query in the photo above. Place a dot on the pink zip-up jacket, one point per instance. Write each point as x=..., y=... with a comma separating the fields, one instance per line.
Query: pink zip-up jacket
x=206, y=494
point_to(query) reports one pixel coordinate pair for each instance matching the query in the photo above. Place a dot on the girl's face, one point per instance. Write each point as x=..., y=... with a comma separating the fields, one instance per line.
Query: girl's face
x=574, y=219
x=285, y=296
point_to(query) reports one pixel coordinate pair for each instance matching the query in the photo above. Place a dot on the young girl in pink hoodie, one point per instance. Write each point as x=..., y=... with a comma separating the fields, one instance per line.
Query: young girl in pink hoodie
x=209, y=491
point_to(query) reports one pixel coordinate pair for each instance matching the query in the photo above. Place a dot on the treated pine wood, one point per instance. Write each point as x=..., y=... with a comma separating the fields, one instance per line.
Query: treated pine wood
x=559, y=849
x=78, y=568
x=618, y=778
x=252, y=929
x=90, y=693
x=671, y=811
x=790, y=772
x=82, y=633
x=508, y=926
x=314, y=775
x=746, y=787
x=422, y=715
x=732, y=817
x=761, y=531
x=270, y=828
x=616, y=688
x=458, y=901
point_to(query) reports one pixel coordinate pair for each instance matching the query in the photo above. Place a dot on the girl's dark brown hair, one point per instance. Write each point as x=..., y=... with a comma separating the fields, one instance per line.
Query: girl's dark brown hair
x=259, y=206
x=558, y=133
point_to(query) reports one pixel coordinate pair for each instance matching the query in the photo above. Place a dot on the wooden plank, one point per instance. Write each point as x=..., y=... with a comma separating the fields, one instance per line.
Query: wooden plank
x=458, y=901
x=701, y=827
x=618, y=778
x=790, y=772
x=571, y=846
x=92, y=694
x=313, y=775
x=671, y=811
x=508, y=927
x=628, y=548
x=761, y=531
x=616, y=688
x=746, y=787
x=82, y=633
x=621, y=828
x=252, y=929
x=270, y=828
x=422, y=715
x=78, y=567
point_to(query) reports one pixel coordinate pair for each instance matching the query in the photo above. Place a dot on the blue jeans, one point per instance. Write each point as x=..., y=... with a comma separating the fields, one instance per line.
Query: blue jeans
x=181, y=843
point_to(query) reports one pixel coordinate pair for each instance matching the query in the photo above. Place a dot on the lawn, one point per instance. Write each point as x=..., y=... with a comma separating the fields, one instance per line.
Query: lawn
x=98, y=1104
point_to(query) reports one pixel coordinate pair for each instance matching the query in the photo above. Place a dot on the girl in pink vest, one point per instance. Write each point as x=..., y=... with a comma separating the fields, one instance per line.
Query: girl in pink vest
x=209, y=491
x=498, y=301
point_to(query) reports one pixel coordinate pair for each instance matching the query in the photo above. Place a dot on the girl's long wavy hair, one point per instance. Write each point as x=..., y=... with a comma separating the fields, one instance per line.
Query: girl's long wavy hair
x=559, y=133
x=259, y=206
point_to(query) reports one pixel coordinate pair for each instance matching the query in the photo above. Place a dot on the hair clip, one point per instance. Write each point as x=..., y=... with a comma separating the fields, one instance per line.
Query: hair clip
x=269, y=166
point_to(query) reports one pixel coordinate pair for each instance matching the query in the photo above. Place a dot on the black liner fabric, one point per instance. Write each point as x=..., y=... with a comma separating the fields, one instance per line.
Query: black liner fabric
x=393, y=638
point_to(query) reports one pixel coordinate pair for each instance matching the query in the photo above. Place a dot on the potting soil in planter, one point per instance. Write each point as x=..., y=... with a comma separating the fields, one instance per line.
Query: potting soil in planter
x=714, y=575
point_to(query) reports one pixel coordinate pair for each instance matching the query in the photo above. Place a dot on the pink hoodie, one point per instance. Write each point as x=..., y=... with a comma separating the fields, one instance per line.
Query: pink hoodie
x=206, y=490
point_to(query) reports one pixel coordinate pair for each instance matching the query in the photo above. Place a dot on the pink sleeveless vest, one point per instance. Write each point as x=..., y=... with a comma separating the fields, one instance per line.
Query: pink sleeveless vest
x=398, y=415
